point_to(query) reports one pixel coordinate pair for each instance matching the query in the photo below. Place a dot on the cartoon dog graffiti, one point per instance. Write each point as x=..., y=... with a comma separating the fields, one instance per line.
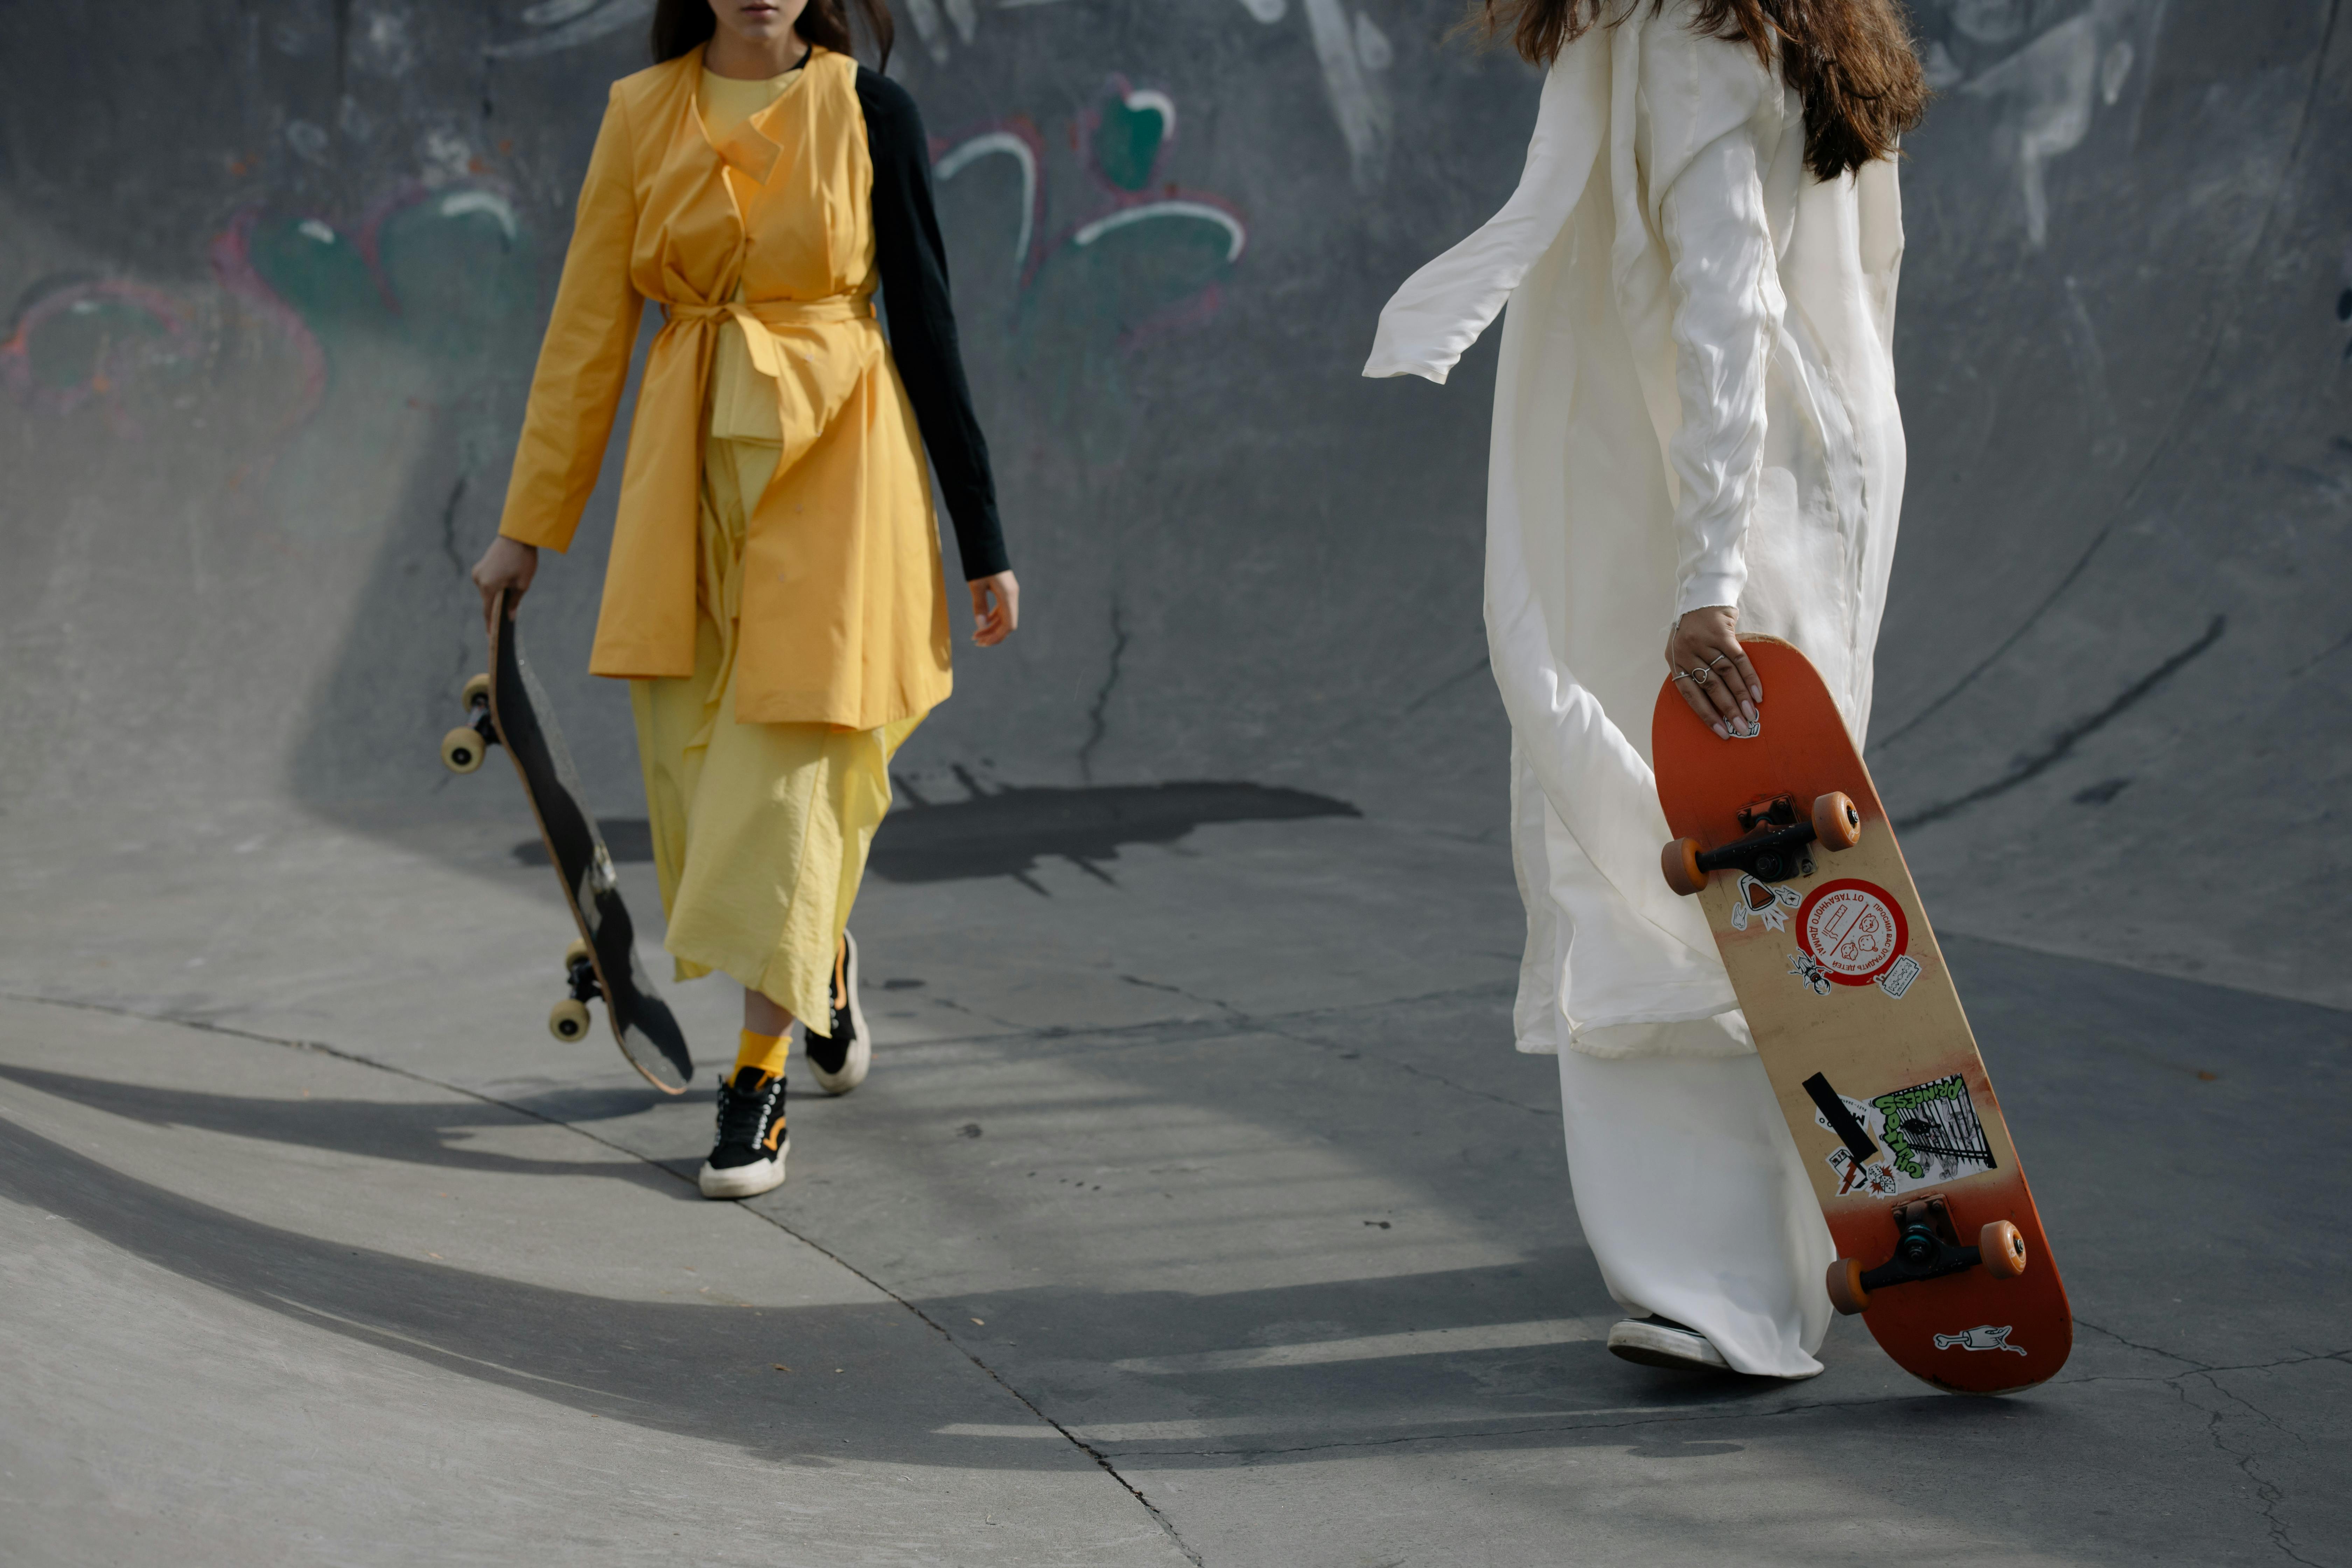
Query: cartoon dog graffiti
x=1983, y=1336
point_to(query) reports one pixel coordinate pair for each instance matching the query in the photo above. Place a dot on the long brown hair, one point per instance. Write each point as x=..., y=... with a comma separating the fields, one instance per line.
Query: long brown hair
x=1852, y=61
x=681, y=26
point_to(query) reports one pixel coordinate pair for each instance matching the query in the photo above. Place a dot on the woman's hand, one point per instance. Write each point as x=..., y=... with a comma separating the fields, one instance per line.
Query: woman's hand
x=995, y=608
x=507, y=565
x=1711, y=672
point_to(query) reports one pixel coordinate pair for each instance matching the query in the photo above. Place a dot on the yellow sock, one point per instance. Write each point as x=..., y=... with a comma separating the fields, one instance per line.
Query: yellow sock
x=766, y=1052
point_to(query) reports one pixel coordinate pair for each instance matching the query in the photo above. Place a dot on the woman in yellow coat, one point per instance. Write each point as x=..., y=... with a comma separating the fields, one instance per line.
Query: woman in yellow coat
x=774, y=597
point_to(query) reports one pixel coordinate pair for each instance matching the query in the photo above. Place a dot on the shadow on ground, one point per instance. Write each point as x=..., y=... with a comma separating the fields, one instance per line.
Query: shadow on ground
x=1006, y=832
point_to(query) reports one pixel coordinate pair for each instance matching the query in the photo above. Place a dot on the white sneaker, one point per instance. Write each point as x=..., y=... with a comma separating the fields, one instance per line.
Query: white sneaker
x=840, y=1056
x=1662, y=1342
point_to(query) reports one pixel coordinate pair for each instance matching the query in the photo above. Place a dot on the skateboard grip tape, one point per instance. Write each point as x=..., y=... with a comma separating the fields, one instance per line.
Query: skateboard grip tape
x=1841, y=1122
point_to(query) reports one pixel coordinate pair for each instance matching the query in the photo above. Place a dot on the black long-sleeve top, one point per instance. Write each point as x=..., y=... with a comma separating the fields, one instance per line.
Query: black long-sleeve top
x=912, y=261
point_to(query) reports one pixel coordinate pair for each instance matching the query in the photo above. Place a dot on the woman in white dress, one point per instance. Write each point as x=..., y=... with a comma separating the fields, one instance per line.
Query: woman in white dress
x=1696, y=434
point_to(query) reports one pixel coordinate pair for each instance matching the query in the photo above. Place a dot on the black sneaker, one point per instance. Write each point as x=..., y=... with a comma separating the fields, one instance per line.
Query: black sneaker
x=752, y=1142
x=841, y=1055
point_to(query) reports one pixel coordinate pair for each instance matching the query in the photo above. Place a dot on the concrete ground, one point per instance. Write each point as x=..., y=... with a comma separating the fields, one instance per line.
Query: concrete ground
x=1197, y=1210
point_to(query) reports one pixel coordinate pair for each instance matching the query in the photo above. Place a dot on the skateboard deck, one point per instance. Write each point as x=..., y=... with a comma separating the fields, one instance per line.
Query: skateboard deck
x=1861, y=1031
x=509, y=707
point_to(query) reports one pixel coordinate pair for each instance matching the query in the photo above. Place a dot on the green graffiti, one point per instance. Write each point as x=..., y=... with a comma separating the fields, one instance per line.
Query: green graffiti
x=452, y=275
x=1126, y=142
x=1890, y=1106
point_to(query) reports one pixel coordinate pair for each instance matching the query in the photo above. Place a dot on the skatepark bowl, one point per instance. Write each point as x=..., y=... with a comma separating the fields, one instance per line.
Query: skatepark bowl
x=1198, y=1208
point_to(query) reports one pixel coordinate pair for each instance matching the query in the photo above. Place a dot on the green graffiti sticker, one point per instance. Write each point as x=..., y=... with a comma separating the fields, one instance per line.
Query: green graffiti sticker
x=1928, y=1133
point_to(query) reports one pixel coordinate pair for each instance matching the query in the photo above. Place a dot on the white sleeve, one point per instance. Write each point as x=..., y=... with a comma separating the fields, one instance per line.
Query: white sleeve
x=1725, y=278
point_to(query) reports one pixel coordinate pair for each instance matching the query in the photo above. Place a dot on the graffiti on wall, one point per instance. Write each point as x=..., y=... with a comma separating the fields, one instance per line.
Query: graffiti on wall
x=79, y=341
x=1107, y=253
x=2048, y=67
x=1351, y=49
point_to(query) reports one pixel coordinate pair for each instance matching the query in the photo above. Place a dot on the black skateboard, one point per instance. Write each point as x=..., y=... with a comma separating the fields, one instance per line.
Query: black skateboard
x=509, y=707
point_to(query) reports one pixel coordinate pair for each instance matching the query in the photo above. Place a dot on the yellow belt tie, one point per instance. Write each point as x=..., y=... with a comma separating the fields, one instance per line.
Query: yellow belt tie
x=763, y=313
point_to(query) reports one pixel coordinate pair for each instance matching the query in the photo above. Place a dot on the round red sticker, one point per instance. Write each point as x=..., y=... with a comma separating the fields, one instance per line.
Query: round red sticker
x=1855, y=930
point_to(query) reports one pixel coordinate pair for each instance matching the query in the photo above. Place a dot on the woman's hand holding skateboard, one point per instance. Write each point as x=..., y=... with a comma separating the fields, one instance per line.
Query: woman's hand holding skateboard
x=1709, y=669
x=507, y=566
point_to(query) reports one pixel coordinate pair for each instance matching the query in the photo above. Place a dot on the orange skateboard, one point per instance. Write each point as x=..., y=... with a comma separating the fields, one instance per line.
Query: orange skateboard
x=1783, y=841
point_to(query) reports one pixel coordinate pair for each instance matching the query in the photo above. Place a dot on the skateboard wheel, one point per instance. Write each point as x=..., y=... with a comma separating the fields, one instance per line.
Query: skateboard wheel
x=476, y=691
x=1680, y=863
x=1846, y=1293
x=1836, y=823
x=568, y=1020
x=462, y=750
x=2002, y=1249
x=572, y=955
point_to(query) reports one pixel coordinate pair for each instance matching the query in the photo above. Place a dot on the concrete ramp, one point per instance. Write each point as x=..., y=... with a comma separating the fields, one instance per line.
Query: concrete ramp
x=277, y=274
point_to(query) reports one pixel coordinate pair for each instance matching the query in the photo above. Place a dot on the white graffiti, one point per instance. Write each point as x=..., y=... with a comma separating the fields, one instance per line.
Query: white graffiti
x=2048, y=91
x=1358, y=94
x=1983, y=1336
x=568, y=24
x=1236, y=235
x=1003, y=144
x=458, y=203
x=1353, y=51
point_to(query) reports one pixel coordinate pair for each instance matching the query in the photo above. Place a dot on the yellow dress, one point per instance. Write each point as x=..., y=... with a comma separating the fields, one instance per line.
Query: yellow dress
x=760, y=830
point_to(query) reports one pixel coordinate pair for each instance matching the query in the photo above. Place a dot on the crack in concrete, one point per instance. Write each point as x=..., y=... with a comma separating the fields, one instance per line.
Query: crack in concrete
x=2134, y=1344
x=2072, y=735
x=449, y=528
x=2268, y=1492
x=1097, y=721
x=1101, y=1459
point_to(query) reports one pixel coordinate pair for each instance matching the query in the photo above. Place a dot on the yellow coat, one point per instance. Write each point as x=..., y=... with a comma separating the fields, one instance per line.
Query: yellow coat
x=844, y=608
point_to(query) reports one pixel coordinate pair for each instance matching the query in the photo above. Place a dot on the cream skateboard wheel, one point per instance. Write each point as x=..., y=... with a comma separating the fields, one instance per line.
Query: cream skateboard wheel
x=568, y=1020
x=462, y=750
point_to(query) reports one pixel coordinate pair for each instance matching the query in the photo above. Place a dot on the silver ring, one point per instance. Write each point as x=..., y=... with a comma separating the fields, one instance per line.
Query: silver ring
x=1700, y=676
x=1718, y=659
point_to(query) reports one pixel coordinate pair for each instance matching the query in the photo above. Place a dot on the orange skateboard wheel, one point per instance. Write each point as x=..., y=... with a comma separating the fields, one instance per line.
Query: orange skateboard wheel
x=2003, y=1249
x=1846, y=1293
x=1836, y=823
x=1680, y=863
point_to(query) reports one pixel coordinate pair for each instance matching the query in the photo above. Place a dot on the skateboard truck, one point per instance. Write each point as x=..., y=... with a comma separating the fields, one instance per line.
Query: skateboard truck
x=1926, y=1246
x=568, y=1019
x=1772, y=846
x=463, y=747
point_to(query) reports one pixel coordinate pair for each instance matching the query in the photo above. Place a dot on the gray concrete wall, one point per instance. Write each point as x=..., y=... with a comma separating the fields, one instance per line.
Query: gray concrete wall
x=277, y=271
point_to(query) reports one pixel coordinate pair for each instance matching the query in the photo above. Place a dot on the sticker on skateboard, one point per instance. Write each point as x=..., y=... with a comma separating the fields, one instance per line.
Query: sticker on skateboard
x=1983, y=1336
x=1853, y=930
x=1930, y=1133
x=1765, y=901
